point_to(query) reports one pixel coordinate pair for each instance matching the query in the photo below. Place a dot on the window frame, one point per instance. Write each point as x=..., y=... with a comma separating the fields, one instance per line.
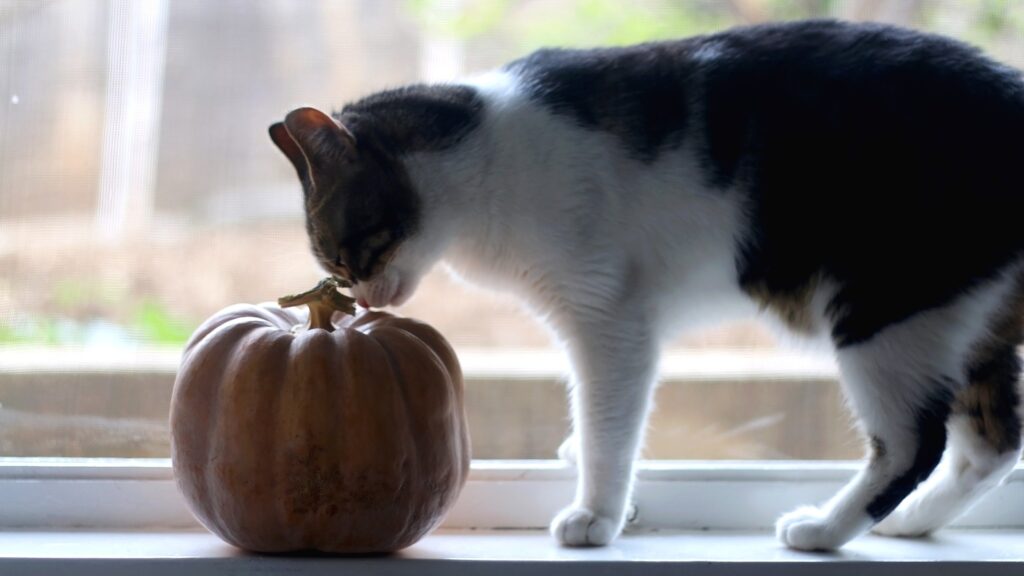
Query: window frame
x=140, y=494
x=137, y=494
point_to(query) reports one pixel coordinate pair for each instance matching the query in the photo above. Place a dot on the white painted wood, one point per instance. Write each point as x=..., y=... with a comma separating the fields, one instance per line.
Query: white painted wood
x=704, y=365
x=141, y=494
x=446, y=552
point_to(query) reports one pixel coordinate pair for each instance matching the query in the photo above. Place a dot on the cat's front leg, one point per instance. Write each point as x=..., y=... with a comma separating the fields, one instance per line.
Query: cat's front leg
x=613, y=364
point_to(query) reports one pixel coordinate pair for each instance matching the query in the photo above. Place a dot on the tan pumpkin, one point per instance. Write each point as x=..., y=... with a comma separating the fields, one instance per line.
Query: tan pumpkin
x=345, y=435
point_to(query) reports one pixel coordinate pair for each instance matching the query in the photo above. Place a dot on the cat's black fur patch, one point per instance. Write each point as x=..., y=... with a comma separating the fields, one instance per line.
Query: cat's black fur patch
x=415, y=118
x=883, y=159
x=640, y=94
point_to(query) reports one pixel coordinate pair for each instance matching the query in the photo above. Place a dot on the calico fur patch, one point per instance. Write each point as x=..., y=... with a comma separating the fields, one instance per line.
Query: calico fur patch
x=991, y=400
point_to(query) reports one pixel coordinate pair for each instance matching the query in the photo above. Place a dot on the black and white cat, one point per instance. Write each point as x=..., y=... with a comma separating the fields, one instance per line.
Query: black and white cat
x=859, y=185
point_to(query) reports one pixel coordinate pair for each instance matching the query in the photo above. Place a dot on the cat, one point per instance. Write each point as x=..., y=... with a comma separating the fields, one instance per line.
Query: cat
x=856, y=184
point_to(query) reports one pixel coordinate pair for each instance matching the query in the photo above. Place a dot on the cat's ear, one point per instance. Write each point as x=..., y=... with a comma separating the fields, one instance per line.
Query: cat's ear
x=285, y=143
x=324, y=142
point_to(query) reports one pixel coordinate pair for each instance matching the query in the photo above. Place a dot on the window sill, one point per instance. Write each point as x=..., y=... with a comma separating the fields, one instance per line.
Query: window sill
x=454, y=552
x=125, y=495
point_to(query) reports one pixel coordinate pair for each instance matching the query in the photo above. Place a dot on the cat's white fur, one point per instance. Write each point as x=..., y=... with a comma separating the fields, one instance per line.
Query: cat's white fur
x=969, y=469
x=617, y=256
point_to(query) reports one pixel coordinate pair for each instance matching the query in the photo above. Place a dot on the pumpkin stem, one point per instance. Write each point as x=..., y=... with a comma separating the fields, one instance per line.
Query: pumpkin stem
x=323, y=301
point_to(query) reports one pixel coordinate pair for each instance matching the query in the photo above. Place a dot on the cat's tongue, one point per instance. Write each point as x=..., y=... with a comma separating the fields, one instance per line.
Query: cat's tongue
x=362, y=303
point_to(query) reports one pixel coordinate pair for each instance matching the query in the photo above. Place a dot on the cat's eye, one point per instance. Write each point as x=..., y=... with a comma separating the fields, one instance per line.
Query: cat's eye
x=342, y=270
x=370, y=251
x=378, y=239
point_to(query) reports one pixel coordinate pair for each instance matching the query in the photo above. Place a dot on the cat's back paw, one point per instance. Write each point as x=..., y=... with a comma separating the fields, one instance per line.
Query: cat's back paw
x=577, y=526
x=567, y=451
x=900, y=525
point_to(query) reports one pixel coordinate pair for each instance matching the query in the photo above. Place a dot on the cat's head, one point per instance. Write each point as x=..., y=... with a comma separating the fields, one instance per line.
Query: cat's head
x=362, y=214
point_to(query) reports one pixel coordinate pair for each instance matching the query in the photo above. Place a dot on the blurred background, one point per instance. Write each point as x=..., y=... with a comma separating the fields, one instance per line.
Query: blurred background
x=139, y=193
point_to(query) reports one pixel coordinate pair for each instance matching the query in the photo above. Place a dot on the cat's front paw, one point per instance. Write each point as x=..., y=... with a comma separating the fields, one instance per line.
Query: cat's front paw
x=578, y=526
x=808, y=528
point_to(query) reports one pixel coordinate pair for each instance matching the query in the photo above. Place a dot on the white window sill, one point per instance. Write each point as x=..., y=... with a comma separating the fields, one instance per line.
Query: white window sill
x=455, y=552
x=56, y=494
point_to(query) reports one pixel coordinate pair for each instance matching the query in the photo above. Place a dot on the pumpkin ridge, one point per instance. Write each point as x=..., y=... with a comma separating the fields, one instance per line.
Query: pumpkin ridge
x=230, y=331
x=228, y=316
x=412, y=457
x=328, y=509
x=284, y=318
x=343, y=380
x=270, y=365
x=453, y=380
x=434, y=422
x=423, y=332
x=304, y=489
x=437, y=344
x=375, y=412
x=191, y=382
x=227, y=375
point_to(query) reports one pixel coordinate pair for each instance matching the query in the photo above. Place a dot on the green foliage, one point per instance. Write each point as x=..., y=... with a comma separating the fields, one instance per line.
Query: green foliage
x=798, y=9
x=991, y=24
x=571, y=23
x=159, y=326
x=74, y=294
x=469, y=20
x=68, y=294
x=44, y=331
x=997, y=17
x=593, y=22
x=609, y=22
x=991, y=16
x=84, y=311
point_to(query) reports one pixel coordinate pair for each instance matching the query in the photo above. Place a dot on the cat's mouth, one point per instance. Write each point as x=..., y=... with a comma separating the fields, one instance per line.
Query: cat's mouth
x=388, y=291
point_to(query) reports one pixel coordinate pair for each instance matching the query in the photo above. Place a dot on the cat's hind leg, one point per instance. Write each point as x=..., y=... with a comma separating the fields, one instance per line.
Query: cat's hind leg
x=984, y=446
x=902, y=402
x=568, y=449
x=904, y=382
x=907, y=443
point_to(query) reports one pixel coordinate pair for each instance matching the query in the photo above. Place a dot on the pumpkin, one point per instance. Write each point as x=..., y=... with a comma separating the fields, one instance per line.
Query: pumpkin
x=328, y=431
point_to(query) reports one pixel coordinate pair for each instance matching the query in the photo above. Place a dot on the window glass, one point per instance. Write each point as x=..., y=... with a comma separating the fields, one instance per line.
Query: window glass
x=139, y=193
